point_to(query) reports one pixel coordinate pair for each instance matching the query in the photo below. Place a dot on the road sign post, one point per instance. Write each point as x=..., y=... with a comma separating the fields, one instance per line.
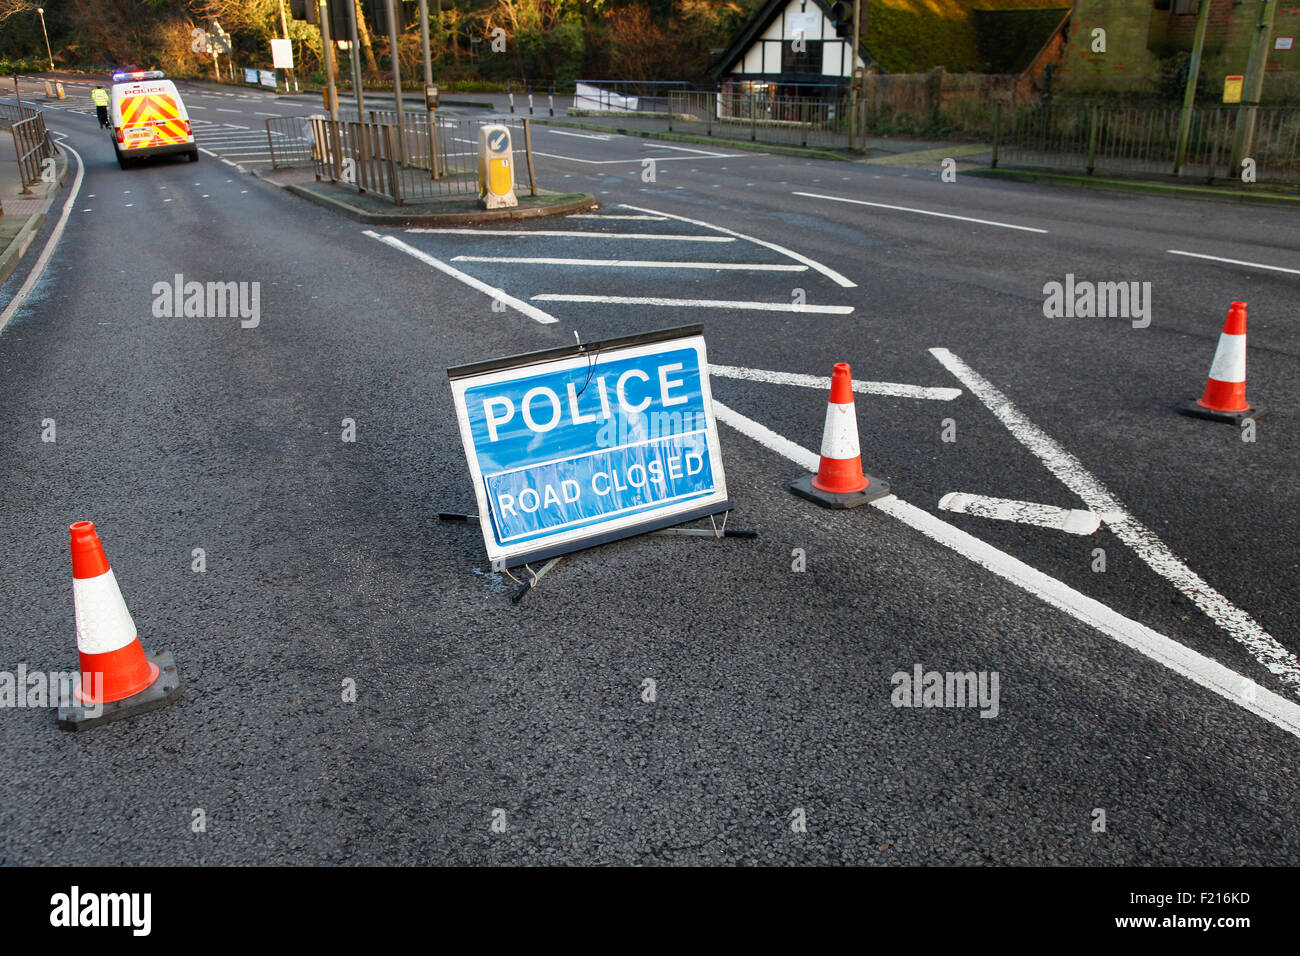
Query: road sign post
x=496, y=172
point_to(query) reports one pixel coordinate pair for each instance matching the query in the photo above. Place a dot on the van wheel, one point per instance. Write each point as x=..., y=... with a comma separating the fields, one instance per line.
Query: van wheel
x=122, y=161
x=194, y=155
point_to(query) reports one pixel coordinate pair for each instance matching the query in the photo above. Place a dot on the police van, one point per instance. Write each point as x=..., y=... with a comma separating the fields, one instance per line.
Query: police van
x=148, y=118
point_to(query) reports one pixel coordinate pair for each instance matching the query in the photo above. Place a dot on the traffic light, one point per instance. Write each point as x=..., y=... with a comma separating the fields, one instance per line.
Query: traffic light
x=304, y=10
x=842, y=18
x=341, y=19
x=377, y=12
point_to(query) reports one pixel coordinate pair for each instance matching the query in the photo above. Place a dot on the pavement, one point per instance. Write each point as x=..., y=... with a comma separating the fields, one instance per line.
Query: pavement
x=1147, y=667
x=24, y=211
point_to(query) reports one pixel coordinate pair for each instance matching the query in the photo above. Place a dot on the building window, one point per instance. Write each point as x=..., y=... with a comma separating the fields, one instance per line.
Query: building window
x=806, y=60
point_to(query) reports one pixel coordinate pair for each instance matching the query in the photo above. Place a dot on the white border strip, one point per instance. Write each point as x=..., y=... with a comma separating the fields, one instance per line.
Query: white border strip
x=813, y=263
x=922, y=212
x=695, y=303
x=1099, y=499
x=519, y=306
x=573, y=234
x=635, y=263
x=860, y=386
x=1198, y=668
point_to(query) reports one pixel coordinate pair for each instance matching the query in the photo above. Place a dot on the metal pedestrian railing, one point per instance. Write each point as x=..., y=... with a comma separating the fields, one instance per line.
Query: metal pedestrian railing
x=1095, y=139
x=794, y=121
x=412, y=162
x=32, y=141
x=289, y=139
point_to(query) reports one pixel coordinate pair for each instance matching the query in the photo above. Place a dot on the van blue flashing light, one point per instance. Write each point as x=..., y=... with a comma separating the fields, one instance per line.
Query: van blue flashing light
x=139, y=75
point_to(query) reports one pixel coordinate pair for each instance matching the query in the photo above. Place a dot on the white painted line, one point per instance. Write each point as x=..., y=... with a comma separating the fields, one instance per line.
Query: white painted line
x=812, y=263
x=617, y=162
x=687, y=149
x=208, y=152
x=1070, y=472
x=255, y=113
x=603, y=137
x=605, y=215
x=529, y=310
x=1070, y=520
x=860, y=386
x=220, y=110
x=43, y=260
x=1198, y=668
x=236, y=125
x=1234, y=262
x=922, y=212
x=697, y=303
x=635, y=263
x=560, y=233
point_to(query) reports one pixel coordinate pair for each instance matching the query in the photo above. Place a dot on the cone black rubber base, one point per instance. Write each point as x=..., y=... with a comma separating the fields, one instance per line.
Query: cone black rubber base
x=828, y=499
x=1196, y=410
x=158, y=694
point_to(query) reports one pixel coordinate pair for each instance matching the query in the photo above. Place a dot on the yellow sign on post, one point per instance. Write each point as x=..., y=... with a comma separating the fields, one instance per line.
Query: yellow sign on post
x=1232, y=88
x=496, y=174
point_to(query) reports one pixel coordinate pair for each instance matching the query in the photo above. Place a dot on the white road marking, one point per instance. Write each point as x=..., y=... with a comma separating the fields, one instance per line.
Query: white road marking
x=208, y=152
x=825, y=270
x=573, y=234
x=860, y=386
x=255, y=113
x=220, y=110
x=617, y=162
x=519, y=306
x=236, y=125
x=602, y=215
x=43, y=260
x=1234, y=262
x=696, y=303
x=1198, y=668
x=634, y=263
x=1070, y=472
x=603, y=137
x=1070, y=520
x=922, y=212
x=687, y=149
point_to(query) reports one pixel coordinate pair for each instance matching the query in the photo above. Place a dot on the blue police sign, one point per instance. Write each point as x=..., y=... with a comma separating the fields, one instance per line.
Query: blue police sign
x=576, y=446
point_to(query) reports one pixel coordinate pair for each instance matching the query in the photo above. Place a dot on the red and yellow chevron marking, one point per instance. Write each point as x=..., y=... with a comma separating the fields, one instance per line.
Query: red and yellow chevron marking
x=159, y=113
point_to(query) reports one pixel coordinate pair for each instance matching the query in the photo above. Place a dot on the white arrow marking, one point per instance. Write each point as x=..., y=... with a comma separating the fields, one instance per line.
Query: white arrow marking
x=1071, y=520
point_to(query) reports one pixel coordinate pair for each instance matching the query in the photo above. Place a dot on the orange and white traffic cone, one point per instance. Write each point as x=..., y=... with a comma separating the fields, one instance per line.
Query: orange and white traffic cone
x=840, y=481
x=118, y=678
x=1224, y=399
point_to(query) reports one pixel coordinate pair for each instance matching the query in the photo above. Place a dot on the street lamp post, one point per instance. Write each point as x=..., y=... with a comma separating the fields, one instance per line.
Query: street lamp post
x=41, y=11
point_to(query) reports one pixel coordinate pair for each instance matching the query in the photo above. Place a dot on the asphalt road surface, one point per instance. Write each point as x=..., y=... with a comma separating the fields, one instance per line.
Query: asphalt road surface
x=1158, y=694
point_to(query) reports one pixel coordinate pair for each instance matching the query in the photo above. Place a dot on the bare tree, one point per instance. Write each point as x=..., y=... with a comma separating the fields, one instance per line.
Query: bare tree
x=10, y=7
